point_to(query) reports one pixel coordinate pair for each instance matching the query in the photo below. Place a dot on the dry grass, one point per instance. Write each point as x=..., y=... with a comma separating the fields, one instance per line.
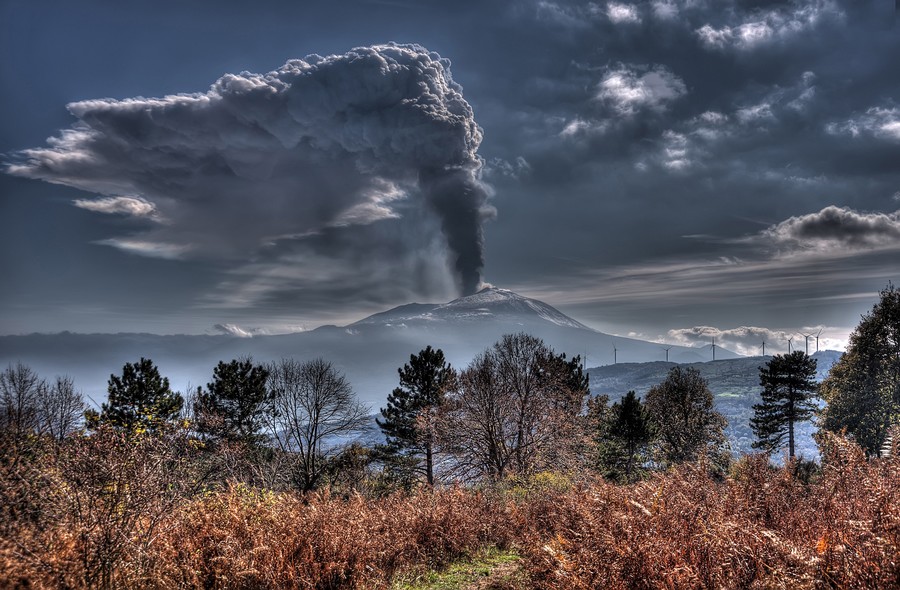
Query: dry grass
x=247, y=538
x=759, y=528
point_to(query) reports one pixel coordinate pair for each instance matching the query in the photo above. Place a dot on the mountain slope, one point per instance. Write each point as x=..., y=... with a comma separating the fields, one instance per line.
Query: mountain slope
x=369, y=351
x=490, y=304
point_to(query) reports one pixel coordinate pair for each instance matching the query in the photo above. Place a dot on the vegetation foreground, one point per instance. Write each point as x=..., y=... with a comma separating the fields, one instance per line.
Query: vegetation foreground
x=758, y=527
x=506, y=474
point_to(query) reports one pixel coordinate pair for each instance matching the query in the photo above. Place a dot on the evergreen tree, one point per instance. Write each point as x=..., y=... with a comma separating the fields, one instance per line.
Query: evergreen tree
x=682, y=412
x=233, y=405
x=625, y=438
x=789, y=386
x=863, y=388
x=409, y=419
x=139, y=400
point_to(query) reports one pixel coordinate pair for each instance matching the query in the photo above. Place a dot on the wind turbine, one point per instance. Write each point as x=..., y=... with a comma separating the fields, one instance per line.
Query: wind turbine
x=791, y=339
x=817, y=339
x=806, y=337
x=764, y=348
x=667, y=353
x=615, y=354
x=714, y=347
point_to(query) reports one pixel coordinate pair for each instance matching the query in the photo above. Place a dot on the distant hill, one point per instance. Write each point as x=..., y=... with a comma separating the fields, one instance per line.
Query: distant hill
x=368, y=351
x=733, y=382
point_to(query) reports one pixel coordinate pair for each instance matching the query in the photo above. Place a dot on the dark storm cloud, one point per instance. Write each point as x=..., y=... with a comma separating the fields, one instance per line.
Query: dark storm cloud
x=788, y=117
x=323, y=142
x=303, y=269
x=657, y=164
x=836, y=230
x=791, y=111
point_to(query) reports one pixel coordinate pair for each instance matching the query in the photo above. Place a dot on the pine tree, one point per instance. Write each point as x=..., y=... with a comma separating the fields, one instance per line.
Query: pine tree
x=863, y=388
x=789, y=386
x=624, y=440
x=233, y=404
x=408, y=420
x=139, y=400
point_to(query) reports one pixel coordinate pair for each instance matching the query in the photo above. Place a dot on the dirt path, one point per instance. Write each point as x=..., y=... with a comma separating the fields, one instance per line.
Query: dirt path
x=504, y=576
x=489, y=570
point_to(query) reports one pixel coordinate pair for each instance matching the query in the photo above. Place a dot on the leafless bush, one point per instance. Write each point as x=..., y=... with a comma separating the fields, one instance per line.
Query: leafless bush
x=103, y=500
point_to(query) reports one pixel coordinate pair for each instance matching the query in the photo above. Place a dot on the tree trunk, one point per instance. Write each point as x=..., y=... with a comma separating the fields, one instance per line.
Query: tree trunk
x=791, y=438
x=791, y=415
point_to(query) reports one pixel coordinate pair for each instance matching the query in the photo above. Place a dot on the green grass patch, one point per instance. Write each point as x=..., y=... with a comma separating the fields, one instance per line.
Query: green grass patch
x=488, y=569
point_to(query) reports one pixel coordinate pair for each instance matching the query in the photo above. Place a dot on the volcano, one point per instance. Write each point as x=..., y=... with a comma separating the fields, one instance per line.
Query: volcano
x=368, y=351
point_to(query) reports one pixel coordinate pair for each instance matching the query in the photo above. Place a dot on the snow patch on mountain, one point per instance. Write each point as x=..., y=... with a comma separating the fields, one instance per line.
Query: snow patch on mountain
x=490, y=303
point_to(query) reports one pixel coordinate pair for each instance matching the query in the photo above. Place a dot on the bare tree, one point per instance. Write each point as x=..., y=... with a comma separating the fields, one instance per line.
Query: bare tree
x=312, y=409
x=60, y=408
x=516, y=409
x=479, y=429
x=20, y=388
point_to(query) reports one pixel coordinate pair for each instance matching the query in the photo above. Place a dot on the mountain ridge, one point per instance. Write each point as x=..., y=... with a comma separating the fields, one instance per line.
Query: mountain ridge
x=368, y=351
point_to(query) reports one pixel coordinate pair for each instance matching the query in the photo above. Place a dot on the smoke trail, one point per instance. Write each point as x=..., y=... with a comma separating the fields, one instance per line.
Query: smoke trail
x=460, y=202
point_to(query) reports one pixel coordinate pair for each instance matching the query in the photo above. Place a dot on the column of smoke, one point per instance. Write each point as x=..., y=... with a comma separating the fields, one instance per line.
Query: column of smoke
x=459, y=200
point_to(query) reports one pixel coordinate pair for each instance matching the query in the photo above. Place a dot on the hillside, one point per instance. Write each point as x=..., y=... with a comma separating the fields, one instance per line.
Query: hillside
x=733, y=382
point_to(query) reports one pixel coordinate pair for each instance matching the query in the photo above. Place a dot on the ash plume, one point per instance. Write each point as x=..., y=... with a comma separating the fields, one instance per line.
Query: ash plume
x=321, y=145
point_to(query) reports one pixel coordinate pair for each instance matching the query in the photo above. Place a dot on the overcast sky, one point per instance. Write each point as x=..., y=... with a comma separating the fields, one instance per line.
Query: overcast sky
x=669, y=169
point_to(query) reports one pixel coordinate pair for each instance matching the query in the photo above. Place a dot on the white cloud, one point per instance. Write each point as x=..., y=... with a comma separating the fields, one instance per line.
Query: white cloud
x=578, y=126
x=622, y=13
x=763, y=28
x=755, y=114
x=675, y=151
x=665, y=9
x=748, y=340
x=148, y=248
x=880, y=122
x=713, y=37
x=242, y=332
x=807, y=94
x=233, y=330
x=130, y=206
x=375, y=207
x=712, y=118
x=629, y=91
x=563, y=16
x=516, y=169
